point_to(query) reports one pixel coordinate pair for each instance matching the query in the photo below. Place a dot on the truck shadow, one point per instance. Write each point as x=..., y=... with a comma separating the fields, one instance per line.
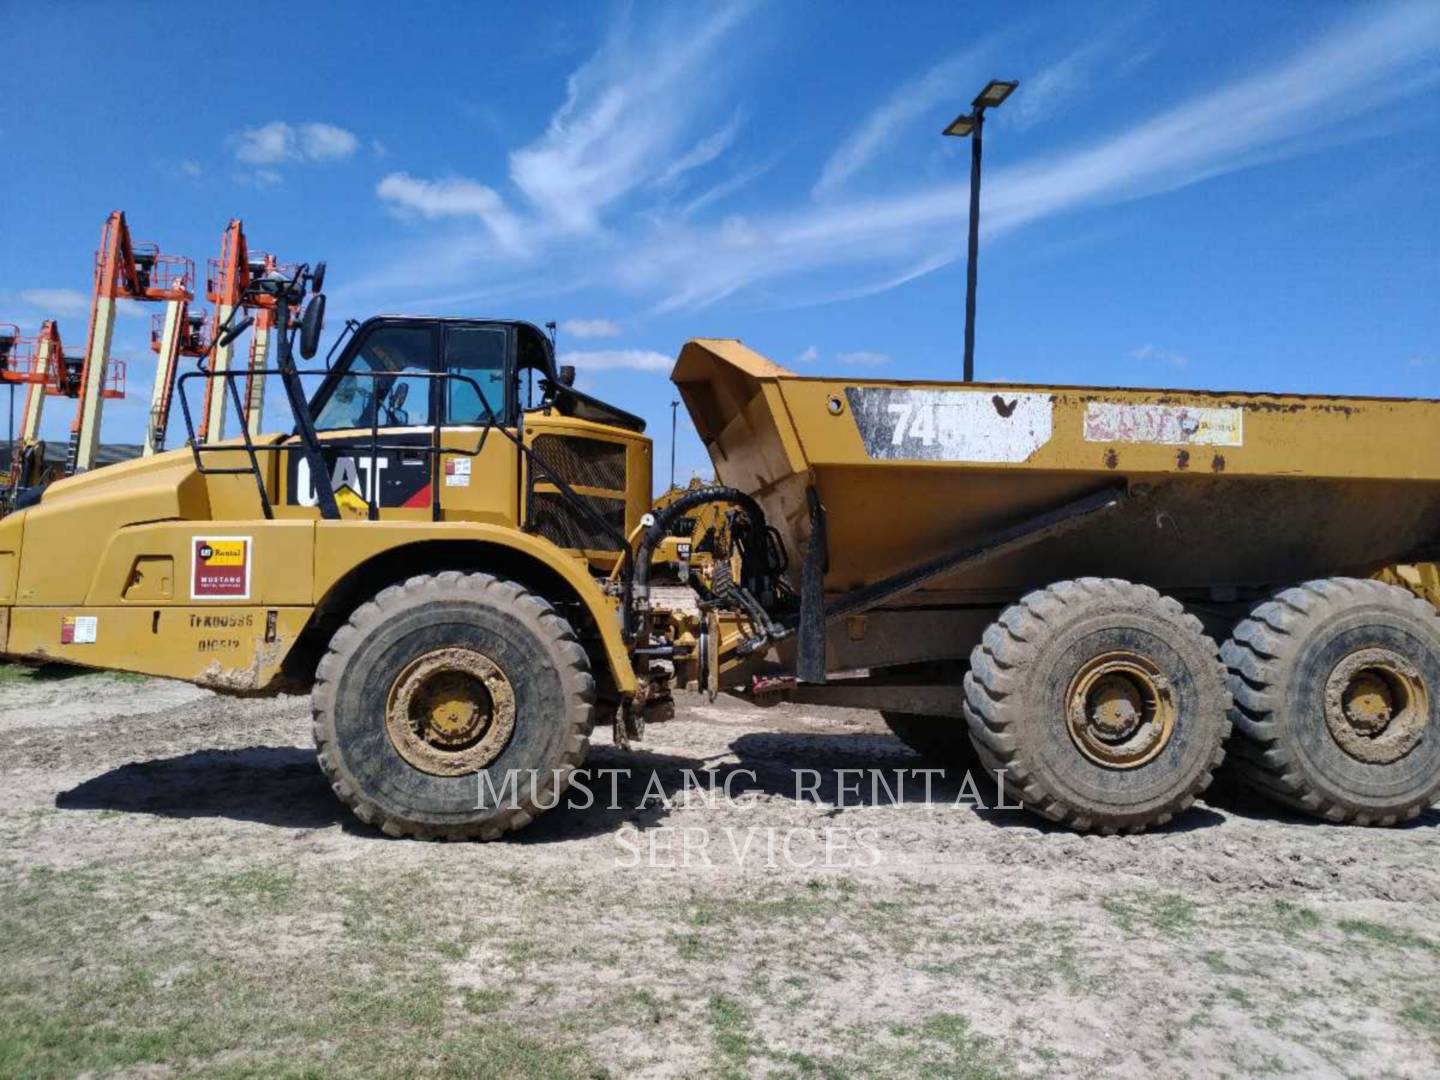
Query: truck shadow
x=271, y=785
x=281, y=786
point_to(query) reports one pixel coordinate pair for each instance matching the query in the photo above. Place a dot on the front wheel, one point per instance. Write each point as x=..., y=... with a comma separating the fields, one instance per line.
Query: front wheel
x=452, y=706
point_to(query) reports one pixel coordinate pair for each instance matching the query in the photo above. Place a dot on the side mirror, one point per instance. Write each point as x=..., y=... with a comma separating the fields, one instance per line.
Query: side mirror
x=567, y=374
x=311, y=324
x=317, y=278
x=399, y=394
x=236, y=329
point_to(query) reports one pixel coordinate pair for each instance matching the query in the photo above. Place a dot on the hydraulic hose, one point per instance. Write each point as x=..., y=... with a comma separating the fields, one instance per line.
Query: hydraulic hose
x=753, y=572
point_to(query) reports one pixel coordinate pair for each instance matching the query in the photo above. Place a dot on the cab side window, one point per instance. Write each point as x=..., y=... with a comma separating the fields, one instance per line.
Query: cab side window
x=479, y=354
x=384, y=384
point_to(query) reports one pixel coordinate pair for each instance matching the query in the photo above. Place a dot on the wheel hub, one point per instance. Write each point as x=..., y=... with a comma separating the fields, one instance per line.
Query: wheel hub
x=1376, y=705
x=1120, y=710
x=450, y=712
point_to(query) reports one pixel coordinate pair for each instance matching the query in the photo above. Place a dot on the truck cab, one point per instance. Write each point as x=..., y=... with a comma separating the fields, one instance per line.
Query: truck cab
x=418, y=419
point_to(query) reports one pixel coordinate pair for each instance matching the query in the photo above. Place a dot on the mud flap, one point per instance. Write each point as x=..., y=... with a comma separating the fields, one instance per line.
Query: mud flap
x=810, y=650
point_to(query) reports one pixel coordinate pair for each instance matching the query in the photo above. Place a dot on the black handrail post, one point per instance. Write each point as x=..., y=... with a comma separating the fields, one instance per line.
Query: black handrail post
x=304, y=422
x=373, y=510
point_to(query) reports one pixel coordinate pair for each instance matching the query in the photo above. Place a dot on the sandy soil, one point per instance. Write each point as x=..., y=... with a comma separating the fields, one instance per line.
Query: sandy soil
x=183, y=896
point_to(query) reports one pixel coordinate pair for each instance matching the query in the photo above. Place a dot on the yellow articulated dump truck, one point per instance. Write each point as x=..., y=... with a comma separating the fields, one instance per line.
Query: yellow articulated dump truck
x=468, y=577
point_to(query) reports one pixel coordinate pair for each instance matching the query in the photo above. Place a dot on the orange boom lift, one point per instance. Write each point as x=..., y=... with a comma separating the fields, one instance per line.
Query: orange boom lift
x=124, y=270
x=227, y=280
x=43, y=366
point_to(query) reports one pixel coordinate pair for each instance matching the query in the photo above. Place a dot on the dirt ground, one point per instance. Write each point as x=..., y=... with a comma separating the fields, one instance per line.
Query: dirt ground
x=181, y=895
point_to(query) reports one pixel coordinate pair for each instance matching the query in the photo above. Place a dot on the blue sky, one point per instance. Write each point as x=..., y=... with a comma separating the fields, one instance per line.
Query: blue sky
x=1219, y=195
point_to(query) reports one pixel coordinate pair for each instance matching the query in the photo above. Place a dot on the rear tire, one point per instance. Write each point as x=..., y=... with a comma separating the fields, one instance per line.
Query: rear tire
x=942, y=740
x=1336, y=685
x=444, y=681
x=1103, y=702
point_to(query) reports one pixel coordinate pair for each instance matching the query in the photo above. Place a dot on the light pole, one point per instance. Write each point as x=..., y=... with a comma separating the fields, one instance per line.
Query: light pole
x=972, y=123
x=674, y=415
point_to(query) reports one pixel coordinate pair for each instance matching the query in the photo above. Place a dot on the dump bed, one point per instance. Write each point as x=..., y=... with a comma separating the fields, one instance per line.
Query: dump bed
x=1214, y=489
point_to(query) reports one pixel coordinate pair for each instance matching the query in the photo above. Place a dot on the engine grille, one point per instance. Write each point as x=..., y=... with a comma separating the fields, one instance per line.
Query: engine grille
x=552, y=516
x=582, y=462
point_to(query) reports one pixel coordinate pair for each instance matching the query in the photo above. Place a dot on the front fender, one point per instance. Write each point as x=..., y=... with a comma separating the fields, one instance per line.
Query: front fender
x=341, y=546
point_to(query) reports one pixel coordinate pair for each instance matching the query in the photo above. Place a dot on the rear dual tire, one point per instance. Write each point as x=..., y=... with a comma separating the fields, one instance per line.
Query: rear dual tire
x=1102, y=702
x=1336, y=685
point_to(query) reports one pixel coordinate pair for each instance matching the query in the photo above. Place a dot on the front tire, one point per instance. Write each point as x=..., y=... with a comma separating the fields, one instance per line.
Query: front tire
x=1337, y=700
x=441, y=684
x=1103, y=702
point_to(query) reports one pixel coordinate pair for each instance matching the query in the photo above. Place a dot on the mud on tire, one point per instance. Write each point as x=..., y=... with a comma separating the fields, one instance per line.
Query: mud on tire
x=543, y=683
x=1336, y=686
x=1103, y=701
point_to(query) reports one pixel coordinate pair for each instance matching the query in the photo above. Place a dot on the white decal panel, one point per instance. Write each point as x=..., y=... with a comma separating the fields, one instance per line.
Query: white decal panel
x=1164, y=425
x=897, y=424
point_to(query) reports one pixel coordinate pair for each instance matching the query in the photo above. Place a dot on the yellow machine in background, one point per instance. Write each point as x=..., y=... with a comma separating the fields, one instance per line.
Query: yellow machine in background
x=466, y=578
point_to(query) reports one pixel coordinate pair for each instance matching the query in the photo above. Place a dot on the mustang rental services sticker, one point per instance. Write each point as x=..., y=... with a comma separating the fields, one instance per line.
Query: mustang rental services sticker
x=220, y=568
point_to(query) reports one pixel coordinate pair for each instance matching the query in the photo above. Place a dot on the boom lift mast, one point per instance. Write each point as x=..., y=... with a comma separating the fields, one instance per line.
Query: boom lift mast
x=175, y=332
x=124, y=270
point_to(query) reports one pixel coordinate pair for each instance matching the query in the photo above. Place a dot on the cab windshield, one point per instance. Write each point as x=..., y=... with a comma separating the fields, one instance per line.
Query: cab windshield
x=386, y=376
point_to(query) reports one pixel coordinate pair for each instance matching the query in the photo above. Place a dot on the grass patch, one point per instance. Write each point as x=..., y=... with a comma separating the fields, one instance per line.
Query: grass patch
x=1380, y=934
x=89, y=984
x=1423, y=1014
x=41, y=673
x=732, y=1033
x=1294, y=919
x=944, y=1046
x=1168, y=913
x=266, y=889
x=486, y=1000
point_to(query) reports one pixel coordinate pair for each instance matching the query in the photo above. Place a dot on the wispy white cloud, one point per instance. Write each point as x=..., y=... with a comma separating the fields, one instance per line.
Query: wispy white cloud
x=453, y=197
x=628, y=111
x=809, y=356
x=617, y=133
x=277, y=142
x=702, y=153
x=1164, y=356
x=1050, y=89
x=727, y=187
x=615, y=359
x=1268, y=116
x=590, y=328
x=72, y=303
x=57, y=301
x=887, y=123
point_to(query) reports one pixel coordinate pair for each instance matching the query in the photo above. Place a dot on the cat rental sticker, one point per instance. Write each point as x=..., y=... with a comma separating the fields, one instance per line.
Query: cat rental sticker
x=220, y=568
